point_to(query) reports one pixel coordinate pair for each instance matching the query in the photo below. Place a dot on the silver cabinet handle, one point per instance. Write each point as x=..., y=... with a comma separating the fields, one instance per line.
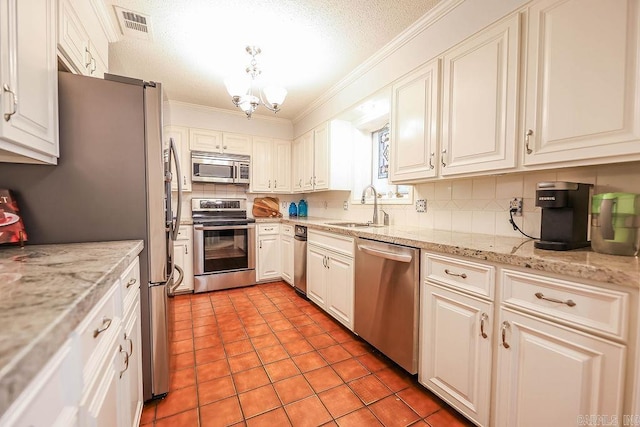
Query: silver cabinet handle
x=126, y=361
x=268, y=229
x=184, y=179
x=7, y=116
x=568, y=302
x=444, y=152
x=186, y=250
x=300, y=183
x=218, y=146
x=505, y=326
x=106, y=322
x=93, y=65
x=450, y=273
x=131, y=282
x=483, y=318
x=89, y=58
x=269, y=183
x=260, y=244
x=431, y=160
x=275, y=183
x=224, y=147
x=526, y=141
x=126, y=338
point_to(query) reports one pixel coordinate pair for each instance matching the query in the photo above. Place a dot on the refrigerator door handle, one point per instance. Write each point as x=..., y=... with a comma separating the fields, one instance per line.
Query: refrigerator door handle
x=176, y=225
x=171, y=290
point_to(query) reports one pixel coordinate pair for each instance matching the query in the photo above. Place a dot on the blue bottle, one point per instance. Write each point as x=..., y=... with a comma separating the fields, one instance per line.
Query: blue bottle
x=302, y=208
x=293, y=210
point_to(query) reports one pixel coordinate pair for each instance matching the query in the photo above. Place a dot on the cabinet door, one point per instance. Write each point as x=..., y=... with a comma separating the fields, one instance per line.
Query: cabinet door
x=182, y=253
x=29, y=79
x=262, y=165
x=582, y=96
x=282, y=166
x=480, y=86
x=321, y=157
x=551, y=375
x=205, y=140
x=340, y=288
x=455, y=350
x=102, y=407
x=73, y=40
x=297, y=165
x=286, y=258
x=414, y=125
x=234, y=143
x=132, y=376
x=180, y=137
x=316, y=272
x=307, y=161
x=268, y=257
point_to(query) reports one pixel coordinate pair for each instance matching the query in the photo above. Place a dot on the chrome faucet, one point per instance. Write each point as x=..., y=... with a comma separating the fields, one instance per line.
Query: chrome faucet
x=375, y=201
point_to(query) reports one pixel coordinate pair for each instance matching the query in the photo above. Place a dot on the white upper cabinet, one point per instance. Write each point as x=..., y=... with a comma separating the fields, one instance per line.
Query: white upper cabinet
x=28, y=81
x=270, y=165
x=582, y=95
x=214, y=141
x=82, y=44
x=479, y=113
x=322, y=158
x=414, y=125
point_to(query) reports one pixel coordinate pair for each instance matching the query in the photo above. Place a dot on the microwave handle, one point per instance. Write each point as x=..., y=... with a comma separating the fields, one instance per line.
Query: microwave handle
x=236, y=171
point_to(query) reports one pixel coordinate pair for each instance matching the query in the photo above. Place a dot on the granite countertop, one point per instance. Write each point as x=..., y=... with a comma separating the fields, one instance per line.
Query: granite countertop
x=46, y=292
x=519, y=252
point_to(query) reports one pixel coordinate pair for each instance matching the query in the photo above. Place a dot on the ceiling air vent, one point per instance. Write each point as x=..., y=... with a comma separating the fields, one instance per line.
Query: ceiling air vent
x=134, y=24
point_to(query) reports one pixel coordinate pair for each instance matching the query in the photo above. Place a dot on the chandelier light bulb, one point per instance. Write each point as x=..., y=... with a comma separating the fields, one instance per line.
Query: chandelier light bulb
x=275, y=95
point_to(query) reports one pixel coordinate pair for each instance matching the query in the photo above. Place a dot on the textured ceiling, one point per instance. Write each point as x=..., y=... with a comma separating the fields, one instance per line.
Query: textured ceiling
x=307, y=45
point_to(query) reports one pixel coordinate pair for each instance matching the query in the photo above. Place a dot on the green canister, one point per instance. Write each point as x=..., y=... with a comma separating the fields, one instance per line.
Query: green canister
x=615, y=223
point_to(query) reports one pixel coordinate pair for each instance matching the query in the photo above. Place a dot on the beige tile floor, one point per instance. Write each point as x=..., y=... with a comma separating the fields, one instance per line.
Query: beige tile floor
x=263, y=356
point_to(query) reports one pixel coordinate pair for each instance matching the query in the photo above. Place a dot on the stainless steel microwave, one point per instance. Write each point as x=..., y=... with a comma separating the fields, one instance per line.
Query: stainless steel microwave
x=220, y=168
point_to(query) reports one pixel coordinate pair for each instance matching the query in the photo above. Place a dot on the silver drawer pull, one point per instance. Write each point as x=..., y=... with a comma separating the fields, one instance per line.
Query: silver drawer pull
x=463, y=275
x=7, y=116
x=106, y=322
x=568, y=302
x=126, y=361
x=484, y=317
x=505, y=326
x=126, y=338
x=131, y=282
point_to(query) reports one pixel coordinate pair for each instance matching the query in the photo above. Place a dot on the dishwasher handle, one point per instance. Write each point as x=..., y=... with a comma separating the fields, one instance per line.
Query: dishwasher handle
x=384, y=254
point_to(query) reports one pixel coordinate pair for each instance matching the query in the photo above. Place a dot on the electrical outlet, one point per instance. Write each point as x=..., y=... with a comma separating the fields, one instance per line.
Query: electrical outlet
x=421, y=205
x=516, y=203
x=345, y=205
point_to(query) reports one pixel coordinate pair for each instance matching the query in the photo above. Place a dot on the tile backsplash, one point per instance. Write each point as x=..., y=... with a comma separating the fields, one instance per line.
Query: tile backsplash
x=478, y=205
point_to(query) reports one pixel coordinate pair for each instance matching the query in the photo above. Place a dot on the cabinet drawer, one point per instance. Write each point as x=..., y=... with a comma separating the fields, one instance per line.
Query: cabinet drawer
x=184, y=232
x=334, y=242
x=467, y=276
x=272, y=228
x=98, y=329
x=593, y=309
x=130, y=283
x=286, y=229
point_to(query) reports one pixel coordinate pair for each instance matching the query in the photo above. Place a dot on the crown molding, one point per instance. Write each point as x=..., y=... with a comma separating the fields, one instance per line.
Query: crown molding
x=235, y=112
x=428, y=19
x=106, y=20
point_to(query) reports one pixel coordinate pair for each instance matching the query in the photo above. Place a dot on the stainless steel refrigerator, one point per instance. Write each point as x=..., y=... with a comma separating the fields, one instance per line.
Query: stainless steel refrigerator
x=112, y=182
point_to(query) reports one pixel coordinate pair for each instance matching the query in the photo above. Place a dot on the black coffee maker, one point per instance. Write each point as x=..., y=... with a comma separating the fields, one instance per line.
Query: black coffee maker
x=565, y=215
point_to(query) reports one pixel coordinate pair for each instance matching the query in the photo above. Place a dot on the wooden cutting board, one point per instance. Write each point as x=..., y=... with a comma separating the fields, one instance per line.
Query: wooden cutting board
x=266, y=207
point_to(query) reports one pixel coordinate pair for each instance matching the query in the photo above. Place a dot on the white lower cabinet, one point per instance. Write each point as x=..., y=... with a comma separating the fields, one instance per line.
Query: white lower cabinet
x=286, y=252
x=183, y=256
x=456, y=339
x=330, y=274
x=268, y=252
x=550, y=375
x=95, y=378
x=456, y=333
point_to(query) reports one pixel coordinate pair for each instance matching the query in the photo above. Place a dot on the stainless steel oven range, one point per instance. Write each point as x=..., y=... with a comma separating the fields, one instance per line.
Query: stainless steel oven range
x=223, y=244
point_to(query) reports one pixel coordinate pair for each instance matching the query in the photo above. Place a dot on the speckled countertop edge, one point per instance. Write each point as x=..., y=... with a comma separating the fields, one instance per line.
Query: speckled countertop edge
x=52, y=288
x=512, y=251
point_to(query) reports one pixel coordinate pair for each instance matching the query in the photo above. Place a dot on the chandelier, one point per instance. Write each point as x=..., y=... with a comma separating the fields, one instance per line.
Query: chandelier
x=242, y=89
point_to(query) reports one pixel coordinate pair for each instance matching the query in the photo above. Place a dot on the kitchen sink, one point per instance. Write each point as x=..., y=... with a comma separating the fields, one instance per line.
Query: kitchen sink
x=349, y=224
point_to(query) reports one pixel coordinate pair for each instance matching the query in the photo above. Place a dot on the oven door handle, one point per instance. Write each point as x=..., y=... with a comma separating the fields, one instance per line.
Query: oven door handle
x=223, y=227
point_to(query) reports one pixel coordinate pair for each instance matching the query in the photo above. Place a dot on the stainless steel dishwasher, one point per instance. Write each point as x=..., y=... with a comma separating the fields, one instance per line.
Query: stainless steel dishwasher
x=386, y=299
x=300, y=260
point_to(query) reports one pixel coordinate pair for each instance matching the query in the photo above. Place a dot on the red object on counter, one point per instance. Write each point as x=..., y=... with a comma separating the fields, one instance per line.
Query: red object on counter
x=11, y=226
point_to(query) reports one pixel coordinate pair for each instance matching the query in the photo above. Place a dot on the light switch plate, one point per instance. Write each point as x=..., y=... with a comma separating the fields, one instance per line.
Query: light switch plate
x=421, y=205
